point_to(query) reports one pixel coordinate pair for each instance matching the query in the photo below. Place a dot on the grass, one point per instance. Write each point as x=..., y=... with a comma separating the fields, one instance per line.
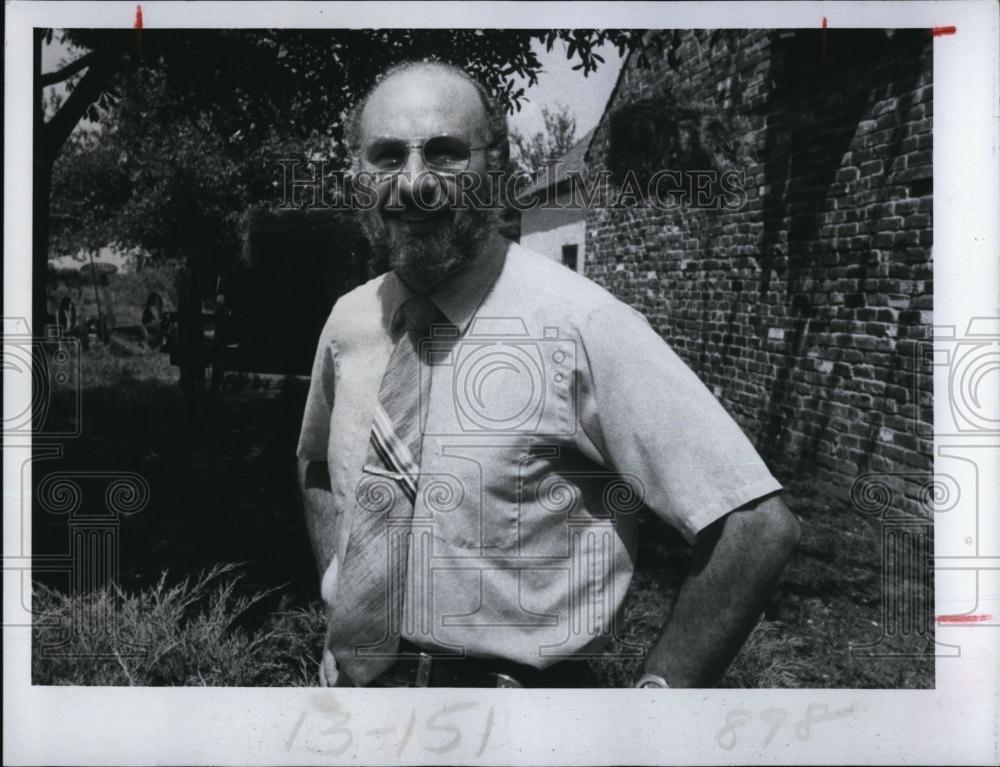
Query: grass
x=188, y=634
x=211, y=630
x=226, y=493
x=214, y=629
x=103, y=364
x=829, y=599
x=198, y=632
x=129, y=291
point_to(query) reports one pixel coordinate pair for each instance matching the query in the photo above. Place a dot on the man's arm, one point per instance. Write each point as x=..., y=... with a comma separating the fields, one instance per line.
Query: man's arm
x=737, y=561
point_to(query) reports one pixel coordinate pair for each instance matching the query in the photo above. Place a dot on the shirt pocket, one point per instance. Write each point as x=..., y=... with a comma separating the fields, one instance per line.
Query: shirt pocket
x=468, y=495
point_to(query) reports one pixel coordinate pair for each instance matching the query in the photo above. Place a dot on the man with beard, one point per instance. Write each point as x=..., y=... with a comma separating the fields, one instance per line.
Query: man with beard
x=483, y=426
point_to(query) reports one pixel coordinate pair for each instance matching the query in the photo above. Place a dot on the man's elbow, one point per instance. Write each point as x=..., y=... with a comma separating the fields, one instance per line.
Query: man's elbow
x=779, y=526
x=770, y=525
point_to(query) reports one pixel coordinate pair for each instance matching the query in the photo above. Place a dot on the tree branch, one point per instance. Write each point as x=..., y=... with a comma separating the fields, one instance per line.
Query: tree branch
x=57, y=130
x=51, y=78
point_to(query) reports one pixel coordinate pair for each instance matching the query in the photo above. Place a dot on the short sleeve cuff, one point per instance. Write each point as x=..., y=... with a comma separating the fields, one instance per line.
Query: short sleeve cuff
x=724, y=503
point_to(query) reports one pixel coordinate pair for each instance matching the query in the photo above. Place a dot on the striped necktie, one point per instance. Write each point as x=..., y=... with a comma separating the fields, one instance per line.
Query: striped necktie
x=366, y=618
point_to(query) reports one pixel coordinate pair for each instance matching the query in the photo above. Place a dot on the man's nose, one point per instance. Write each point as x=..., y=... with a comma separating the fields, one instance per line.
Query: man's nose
x=418, y=184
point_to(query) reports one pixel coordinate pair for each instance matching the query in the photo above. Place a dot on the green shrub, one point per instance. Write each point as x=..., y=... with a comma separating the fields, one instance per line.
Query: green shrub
x=187, y=634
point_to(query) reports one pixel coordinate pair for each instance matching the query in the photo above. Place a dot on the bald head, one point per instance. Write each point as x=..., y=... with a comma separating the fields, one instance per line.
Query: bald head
x=424, y=100
x=429, y=96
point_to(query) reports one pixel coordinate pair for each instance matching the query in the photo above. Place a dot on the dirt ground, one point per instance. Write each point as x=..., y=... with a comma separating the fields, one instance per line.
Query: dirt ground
x=225, y=493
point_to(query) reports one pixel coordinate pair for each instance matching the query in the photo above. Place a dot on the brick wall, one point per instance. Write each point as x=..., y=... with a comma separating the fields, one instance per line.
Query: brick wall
x=803, y=309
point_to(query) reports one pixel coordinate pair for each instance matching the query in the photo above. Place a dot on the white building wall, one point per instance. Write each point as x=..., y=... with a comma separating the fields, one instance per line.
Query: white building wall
x=546, y=231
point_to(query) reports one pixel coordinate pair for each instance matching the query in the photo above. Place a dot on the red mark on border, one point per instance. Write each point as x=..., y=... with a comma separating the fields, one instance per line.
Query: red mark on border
x=138, y=30
x=984, y=618
x=938, y=31
x=822, y=43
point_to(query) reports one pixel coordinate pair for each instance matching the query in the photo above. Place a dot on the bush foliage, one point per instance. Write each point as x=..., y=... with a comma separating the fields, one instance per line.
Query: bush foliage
x=194, y=633
x=188, y=634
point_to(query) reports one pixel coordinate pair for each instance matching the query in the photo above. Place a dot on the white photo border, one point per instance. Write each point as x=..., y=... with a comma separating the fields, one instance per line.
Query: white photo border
x=955, y=723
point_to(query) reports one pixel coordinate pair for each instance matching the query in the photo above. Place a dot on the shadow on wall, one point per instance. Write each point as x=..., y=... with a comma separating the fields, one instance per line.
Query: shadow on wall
x=828, y=89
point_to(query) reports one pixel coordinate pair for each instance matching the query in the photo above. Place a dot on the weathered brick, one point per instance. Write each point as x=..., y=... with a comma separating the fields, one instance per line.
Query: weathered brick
x=816, y=296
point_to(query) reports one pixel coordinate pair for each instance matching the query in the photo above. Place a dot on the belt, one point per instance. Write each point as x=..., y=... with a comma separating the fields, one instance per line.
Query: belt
x=416, y=667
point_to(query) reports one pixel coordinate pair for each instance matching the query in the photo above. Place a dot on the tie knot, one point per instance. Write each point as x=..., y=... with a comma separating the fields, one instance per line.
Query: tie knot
x=417, y=315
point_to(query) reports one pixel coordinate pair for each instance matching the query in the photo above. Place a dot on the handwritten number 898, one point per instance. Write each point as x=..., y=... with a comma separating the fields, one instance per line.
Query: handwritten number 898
x=739, y=718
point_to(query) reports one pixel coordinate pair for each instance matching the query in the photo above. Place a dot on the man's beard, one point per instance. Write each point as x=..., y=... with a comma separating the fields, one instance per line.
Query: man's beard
x=426, y=259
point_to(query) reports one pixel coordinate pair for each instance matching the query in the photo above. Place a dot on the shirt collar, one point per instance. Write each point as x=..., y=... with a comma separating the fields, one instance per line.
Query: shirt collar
x=460, y=295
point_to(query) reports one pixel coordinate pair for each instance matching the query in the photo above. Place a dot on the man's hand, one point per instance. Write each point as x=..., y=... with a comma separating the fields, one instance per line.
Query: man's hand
x=737, y=561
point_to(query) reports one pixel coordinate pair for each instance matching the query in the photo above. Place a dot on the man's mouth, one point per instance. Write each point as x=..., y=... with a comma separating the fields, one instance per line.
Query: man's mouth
x=418, y=218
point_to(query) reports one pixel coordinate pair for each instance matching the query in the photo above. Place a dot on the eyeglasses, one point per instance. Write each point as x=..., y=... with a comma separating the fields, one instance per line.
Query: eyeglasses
x=441, y=154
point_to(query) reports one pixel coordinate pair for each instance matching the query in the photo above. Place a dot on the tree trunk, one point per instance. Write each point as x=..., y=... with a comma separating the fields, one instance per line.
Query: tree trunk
x=48, y=140
x=42, y=182
x=41, y=186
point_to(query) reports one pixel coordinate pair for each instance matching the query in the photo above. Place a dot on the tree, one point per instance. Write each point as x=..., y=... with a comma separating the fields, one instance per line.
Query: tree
x=247, y=87
x=89, y=188
x=551, y=144
x=187, y=183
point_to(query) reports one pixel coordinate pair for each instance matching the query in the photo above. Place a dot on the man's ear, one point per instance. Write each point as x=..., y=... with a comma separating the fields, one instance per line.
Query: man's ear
x=500, y=154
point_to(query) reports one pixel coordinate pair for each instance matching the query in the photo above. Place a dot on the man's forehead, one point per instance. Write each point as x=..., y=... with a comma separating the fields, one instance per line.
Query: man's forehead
x=423, y=102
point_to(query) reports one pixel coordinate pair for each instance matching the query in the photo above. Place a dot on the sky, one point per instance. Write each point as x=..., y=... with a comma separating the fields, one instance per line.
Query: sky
x=52, y=55
x=558, y=84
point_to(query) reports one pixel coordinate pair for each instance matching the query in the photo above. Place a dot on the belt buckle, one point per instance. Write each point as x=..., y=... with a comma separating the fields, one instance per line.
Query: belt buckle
x=505, y=680
x=424, y=663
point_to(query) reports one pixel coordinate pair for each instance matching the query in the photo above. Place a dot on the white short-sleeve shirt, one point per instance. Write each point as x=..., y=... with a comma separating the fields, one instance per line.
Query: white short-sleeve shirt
x=553, y=419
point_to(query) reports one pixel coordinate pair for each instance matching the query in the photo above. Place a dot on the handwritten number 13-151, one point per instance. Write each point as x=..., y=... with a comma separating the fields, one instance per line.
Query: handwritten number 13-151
x=444, y=733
